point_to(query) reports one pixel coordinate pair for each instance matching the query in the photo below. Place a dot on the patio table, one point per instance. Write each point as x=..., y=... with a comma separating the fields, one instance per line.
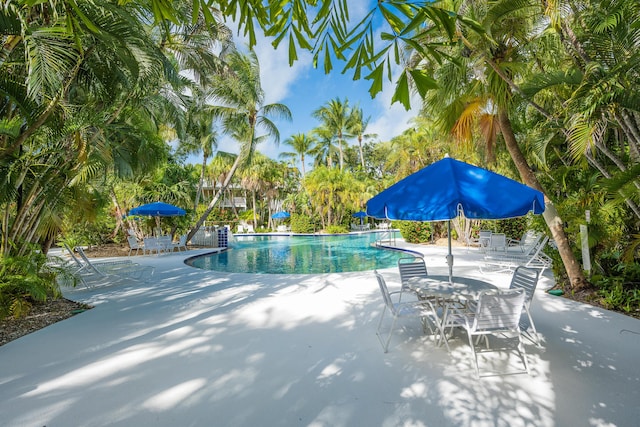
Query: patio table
x=446, y=295
x=440, y=288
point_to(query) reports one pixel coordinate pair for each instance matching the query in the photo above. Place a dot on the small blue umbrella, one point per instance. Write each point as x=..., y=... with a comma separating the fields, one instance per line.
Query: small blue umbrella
x=448, y=187
x=157, y=209
x=281, y=215
x=361, y=214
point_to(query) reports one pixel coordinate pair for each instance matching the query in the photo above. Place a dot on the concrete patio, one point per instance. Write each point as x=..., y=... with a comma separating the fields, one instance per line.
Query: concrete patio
x=203, y=348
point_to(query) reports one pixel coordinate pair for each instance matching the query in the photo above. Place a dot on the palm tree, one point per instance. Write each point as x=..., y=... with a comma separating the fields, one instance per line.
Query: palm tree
x=358, y=127
x=335, y=117
x=201, y=136
x=242, y=109
x=302, y=145
x=491, y=92
x=324, y=149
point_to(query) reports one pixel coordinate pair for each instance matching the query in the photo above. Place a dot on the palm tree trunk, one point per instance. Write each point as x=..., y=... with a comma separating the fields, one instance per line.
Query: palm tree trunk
x=551, y=215
x=201, y=182
x=215, y=199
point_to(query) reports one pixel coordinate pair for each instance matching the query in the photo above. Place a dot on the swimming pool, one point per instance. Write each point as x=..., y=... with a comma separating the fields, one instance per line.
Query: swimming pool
x=300, y=255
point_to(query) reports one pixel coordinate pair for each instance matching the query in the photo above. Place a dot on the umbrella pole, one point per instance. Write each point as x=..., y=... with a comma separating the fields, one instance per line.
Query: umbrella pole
x=450, y=255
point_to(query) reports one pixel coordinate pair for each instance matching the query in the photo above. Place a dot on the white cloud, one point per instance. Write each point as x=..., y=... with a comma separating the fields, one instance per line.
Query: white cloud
x=276, y=74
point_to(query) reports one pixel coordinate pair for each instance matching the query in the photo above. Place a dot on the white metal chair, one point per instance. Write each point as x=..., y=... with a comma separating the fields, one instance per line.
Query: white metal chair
x=134, y=244
x=496, y=313
x=410, y=267
x=498, y=242
x=150, y=245
x=527, y=279
x=484, y=236
x=181, y=243
x=422, y=310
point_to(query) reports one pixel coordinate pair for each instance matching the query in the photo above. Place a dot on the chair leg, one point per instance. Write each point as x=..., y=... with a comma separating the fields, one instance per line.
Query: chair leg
x=523, y=354
x=384, y=347
x=533, y=326
x=474, y=354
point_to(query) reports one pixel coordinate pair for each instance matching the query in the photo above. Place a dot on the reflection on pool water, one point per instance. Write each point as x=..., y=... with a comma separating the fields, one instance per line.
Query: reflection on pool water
x=300, y=255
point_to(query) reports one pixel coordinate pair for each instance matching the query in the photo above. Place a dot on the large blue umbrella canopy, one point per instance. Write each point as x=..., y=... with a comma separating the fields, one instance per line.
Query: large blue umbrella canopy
x=281, y=215
x=157, y=209
x=448, y=187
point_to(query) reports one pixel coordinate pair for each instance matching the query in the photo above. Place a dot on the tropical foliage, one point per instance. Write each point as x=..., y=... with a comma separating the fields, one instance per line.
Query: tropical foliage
x=96, y=98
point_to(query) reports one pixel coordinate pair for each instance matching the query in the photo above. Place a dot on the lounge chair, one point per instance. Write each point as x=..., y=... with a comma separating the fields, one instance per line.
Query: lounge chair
x=508, y=261
x=119, y=268
x=525, y=243
x=496, y=313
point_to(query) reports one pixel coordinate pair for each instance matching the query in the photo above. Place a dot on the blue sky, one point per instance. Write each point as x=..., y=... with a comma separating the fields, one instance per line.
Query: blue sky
x=304, y=89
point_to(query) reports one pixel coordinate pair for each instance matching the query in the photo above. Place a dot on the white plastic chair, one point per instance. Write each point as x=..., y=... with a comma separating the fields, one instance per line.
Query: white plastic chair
x=496, y=313
x=422, y=310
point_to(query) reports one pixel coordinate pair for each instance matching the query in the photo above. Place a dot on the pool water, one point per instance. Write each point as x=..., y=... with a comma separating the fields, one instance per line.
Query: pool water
x=300, y=255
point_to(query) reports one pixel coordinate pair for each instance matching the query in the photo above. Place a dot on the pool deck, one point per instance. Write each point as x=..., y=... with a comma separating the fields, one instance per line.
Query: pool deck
x=203, y=348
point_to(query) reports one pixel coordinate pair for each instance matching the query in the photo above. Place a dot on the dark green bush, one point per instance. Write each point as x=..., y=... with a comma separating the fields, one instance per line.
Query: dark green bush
x=414, y=232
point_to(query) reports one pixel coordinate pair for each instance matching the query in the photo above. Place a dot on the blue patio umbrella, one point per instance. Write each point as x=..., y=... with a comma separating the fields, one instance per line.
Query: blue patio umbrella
x=157, y=209
x=448, y=187
x=281, y=215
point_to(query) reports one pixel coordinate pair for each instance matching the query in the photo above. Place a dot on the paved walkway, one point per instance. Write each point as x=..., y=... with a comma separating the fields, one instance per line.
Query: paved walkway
x=203, y=348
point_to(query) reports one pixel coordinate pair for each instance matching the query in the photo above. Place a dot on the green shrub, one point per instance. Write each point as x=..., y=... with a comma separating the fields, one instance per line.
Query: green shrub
x=24, y=280
x=303, y=224
x=414, y=232
x=336, y=229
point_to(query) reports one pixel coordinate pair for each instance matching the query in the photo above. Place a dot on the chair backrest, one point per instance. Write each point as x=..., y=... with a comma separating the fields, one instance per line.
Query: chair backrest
x=498, y=311
x=73, y=256
x=527, y=279
x=133, y=242
x=151, y=243
x=484, y=236
x=411, y=267
x=498, y=240
x=530, y=243
x=86, y=260
x=384, y=291
x=183, y=240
